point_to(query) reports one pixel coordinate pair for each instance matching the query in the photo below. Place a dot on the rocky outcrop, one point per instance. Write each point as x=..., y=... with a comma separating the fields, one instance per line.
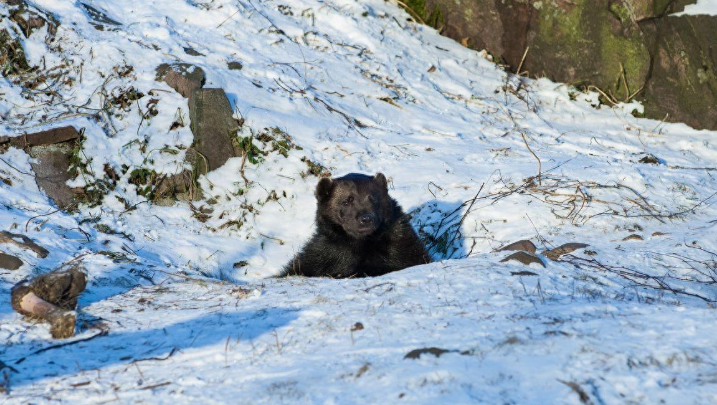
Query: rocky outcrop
x=52, y=150
x=628, y=49
x=212, y=124
x=213, y=127
x=683, y=84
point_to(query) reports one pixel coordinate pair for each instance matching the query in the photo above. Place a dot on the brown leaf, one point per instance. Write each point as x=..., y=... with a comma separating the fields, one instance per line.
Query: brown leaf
x=555, y=254
x=525, y=258
x=523, y=245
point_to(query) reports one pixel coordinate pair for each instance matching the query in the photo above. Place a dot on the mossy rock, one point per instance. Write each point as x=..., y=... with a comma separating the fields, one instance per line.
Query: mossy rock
x=583, y=42
x=590, y=44
x=683, y=84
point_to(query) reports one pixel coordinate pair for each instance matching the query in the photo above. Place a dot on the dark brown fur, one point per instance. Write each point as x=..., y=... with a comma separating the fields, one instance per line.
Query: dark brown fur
x=360, y=231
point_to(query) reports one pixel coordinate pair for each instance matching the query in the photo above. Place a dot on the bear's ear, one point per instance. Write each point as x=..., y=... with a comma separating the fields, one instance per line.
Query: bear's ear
x=323, y=189
x=380, y=179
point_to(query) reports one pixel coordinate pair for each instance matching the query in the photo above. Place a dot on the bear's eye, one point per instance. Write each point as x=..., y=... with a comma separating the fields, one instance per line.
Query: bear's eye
x=348, y=201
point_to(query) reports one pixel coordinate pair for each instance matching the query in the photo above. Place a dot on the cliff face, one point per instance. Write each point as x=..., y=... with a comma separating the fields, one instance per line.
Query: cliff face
x=624, y=48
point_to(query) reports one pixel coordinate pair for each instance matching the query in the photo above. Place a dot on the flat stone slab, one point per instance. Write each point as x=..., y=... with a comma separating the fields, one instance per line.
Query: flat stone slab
x=51, y=172
x=49, y=137
x=213, y=127
x=52, y=150
x=182, y=77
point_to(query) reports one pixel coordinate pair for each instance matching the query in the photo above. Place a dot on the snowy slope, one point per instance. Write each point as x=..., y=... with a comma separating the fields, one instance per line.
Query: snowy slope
x=359, y=88
x=701, y=7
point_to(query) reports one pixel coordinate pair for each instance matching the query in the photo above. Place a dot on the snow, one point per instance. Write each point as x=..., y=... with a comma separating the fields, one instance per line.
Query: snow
x=171, y=319
x=701, y=7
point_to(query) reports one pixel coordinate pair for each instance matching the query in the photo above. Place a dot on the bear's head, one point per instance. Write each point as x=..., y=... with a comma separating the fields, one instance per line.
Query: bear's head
x=358, y=203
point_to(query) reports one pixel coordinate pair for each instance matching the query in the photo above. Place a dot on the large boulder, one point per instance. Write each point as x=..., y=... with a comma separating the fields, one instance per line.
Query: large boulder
x=582, y=42
x=51, y=167
x=684, y=74
x=213, y=127
x=625, y=48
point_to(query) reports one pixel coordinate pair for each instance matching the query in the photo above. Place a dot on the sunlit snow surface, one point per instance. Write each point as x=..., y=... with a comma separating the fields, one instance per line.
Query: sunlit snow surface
x=706, y=7
x=447, y=127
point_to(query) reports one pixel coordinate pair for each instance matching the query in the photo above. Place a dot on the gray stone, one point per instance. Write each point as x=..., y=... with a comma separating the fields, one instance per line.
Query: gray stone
x=629, y=49
x=213, y=127
x=9, y=262
x=683, y=84
x=234, y=65
x=51, y=172
x=182, y=77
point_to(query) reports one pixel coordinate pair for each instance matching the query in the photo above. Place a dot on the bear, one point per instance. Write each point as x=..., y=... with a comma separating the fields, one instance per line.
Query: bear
x=360, y=232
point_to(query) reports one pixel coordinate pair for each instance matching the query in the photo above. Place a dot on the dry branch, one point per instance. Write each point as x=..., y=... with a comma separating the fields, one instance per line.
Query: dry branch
x=27, y=243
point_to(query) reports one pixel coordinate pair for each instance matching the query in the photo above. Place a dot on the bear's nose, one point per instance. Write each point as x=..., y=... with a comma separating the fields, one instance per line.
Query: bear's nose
x=366, y=219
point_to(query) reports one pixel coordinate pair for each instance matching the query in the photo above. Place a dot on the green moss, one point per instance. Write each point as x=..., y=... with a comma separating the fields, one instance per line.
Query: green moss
x=12, y=55
x=581, y=43
x=620, y=11
x=431, y=17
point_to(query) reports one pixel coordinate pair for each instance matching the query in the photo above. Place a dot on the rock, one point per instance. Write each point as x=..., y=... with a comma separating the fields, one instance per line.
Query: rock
x=683, y=83
x=51, y=172
x=9, y=262
x=579, y=42
x=52, y=150
x=525, y=258
x=214, y=127
x=607, y=44
x=647, y=9
x=182, y=77
x=178, y=187
x=626, y=48
x=523, y=245
x=632, y=237
x=49, y=137
x=555, y=254
x=234, y=65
